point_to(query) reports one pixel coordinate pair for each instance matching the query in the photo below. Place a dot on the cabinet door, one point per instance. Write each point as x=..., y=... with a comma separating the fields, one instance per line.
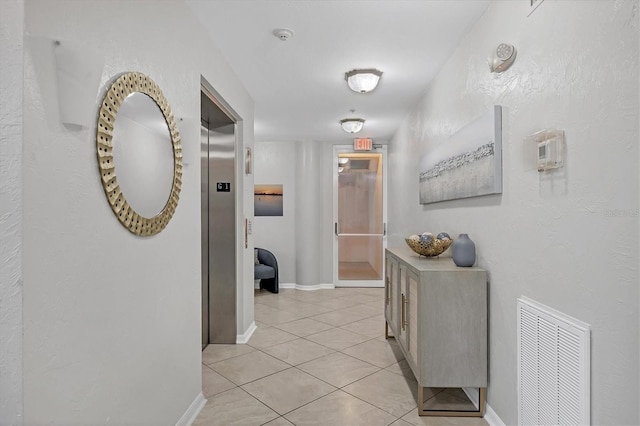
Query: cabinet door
x=403, y=324
x=390, y=284
x=412, y=315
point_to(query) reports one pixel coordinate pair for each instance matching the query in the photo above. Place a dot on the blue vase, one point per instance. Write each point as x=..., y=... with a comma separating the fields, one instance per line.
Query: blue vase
x=464, y=251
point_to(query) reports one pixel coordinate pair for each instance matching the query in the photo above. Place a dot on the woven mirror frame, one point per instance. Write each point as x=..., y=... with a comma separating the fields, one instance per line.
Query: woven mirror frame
x=125, y=85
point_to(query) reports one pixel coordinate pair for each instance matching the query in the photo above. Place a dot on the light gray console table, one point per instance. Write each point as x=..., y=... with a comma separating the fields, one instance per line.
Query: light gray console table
x=438, y=314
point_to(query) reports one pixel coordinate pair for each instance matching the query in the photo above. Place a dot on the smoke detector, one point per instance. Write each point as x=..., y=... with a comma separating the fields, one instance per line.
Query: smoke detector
x=283, y=34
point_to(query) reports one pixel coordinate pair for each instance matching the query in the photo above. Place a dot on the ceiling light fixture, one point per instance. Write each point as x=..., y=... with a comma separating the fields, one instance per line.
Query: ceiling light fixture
x=343, y=160
x=352, y=125
x=363, y=81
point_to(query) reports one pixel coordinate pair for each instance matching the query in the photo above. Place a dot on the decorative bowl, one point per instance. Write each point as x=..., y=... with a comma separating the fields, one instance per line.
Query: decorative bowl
x=428, y=245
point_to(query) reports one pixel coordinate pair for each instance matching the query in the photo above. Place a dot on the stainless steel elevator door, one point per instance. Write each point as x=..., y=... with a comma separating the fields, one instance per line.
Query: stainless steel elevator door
x=222, y=235
x=218, y=219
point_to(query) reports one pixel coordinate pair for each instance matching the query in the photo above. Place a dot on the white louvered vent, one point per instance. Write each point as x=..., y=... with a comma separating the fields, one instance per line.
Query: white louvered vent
x=553, y=367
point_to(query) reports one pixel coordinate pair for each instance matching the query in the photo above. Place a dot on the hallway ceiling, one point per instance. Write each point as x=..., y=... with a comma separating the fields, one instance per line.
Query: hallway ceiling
x=298, y=85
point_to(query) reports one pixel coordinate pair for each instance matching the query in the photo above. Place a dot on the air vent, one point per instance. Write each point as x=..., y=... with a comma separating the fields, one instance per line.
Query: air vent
x=553, y=367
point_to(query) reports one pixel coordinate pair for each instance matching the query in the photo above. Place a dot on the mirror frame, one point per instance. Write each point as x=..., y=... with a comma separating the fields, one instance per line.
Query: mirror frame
x=122, y=87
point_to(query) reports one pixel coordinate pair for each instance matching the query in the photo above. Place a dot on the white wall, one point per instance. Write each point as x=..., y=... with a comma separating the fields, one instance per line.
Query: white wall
x=568, y=239
x=302, y=239
x=276, y=163
x=111, y=320
x=308, y=213
x=11, y=70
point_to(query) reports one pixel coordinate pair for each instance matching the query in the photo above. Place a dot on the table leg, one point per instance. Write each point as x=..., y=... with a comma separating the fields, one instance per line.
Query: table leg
x=452, y=413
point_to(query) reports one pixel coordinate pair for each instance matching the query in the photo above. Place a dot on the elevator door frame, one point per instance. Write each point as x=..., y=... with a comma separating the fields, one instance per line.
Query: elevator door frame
x=211, y=334
x=348, y=149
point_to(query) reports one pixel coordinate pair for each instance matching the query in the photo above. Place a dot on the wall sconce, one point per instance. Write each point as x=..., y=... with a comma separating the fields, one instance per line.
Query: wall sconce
x=352, y=125
x=503, y=58
x=363, y=81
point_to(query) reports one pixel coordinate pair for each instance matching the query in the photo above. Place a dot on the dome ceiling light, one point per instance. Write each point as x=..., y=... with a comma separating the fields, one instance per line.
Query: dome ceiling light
x=363, y=81
x=352, y=125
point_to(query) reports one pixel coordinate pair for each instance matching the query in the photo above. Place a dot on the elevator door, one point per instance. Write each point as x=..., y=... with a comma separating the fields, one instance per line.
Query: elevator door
x=218, y=215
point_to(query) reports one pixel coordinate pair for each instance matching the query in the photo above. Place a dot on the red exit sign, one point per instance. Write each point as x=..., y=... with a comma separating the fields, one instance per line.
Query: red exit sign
x=362, y=144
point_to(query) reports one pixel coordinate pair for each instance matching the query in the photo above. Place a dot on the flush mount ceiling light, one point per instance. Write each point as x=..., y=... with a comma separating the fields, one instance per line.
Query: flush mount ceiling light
x=352, y=125
x=363, y=81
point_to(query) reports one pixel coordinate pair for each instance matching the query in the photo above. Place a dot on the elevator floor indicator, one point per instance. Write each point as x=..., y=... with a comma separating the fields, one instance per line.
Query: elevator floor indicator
x=223, y=187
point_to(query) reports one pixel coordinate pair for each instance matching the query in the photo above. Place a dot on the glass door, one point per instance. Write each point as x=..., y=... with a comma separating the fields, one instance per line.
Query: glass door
x=360, y=213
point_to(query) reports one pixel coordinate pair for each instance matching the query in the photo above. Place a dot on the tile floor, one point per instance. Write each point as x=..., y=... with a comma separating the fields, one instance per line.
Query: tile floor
x=316, y=358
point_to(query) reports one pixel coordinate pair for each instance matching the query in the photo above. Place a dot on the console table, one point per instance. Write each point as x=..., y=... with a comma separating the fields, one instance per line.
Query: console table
x=438, y=314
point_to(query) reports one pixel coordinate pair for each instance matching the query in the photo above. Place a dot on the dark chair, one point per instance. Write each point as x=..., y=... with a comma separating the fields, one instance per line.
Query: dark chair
x=266, y=270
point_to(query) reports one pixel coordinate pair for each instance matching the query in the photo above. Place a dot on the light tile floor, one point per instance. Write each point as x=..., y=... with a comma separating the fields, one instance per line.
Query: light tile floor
x=317, y=358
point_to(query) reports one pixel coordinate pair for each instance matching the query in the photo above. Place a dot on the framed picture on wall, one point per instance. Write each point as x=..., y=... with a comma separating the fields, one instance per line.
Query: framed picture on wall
x=267, y=200
x=469, y=164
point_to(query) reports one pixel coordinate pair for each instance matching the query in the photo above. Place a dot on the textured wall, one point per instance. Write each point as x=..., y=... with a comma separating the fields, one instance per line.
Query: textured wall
x=276, y=162
x=111, y=320
x=569, y=238
x=11, y=51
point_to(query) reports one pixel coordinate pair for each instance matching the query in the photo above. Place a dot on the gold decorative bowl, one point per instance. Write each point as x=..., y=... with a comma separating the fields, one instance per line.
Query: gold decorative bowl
x=429, y=247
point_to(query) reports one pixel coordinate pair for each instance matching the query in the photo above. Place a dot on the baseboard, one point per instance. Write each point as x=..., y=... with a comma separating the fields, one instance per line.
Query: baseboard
x=244, y=338
x=307, y=287
x=361, y=284
x=192, y=412
x=490, y=416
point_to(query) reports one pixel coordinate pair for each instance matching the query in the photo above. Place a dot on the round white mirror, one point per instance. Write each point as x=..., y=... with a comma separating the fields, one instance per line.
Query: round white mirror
x=143, y=155
x=139, y=154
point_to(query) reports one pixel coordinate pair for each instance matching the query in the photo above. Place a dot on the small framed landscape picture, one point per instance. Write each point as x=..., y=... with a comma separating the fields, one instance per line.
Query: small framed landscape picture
x=267, y=200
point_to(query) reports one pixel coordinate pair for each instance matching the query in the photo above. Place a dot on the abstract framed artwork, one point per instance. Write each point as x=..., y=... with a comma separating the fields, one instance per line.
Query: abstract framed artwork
x=468, y=164
x=267, y=200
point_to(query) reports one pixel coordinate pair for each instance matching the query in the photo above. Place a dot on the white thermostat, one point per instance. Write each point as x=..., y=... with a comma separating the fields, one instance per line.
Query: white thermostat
x=550, y=149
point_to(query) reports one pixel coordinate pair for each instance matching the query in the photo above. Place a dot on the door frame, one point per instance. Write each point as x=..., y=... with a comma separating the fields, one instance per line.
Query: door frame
x=348, y=149
x=216, y=98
